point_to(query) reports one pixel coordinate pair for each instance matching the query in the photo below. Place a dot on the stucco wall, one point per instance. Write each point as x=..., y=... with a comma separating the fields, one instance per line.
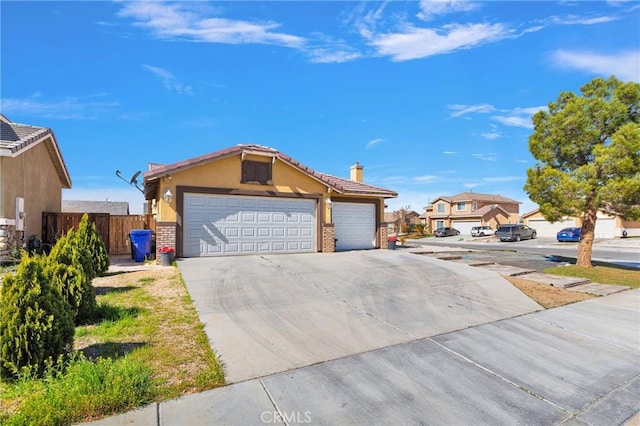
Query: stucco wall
x=227, y=173
x=31, y=175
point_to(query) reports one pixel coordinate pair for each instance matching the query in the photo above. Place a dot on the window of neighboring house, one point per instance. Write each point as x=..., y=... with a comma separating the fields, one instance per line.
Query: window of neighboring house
x=441, y=208
x=256, y=172
x=474, y=206
x=439, y=224
x=461, y=206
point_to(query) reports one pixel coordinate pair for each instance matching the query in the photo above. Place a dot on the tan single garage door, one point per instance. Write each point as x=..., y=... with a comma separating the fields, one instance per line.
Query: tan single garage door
x=220, y=225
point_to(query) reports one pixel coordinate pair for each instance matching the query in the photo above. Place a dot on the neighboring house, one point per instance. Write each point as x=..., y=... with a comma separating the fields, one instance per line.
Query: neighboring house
x=32, y=176
x=252, y=199
x=394, y=219
x=468, y=209
x=608, y=225
x=110, y=207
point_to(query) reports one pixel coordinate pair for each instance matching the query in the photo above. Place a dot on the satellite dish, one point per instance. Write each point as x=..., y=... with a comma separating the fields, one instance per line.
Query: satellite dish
x=133, y=181
x=134, y=178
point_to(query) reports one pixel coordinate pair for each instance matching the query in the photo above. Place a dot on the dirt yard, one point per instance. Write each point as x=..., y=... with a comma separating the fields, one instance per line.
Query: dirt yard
x=548, y=296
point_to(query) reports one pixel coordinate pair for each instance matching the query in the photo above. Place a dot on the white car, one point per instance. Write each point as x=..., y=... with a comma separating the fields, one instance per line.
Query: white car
x=481, y=231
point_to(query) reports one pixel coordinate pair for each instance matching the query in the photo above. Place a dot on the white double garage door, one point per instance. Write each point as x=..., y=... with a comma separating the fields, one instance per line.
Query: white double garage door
x=222, y=225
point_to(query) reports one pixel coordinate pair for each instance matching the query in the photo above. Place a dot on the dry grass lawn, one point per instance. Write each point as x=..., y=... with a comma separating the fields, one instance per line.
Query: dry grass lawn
x=548, y=296
x=160, y=328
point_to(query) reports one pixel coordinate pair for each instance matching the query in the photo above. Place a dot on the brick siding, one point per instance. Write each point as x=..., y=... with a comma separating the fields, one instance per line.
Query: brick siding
x=328, y=238
x=165, y=236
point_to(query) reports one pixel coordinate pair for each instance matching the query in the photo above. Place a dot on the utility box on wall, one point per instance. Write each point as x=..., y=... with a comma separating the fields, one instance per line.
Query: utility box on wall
x=20, y=214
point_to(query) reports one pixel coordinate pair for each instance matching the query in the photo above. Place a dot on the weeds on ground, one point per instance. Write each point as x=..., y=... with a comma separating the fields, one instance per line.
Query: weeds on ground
x=146, y=344
x=78, y=390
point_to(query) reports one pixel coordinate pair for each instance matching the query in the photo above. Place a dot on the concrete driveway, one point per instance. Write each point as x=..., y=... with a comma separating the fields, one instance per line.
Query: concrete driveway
x=574, y=365
x=268, y=314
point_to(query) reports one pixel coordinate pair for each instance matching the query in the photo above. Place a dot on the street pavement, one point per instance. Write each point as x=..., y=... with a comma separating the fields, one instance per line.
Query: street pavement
x=431, y=343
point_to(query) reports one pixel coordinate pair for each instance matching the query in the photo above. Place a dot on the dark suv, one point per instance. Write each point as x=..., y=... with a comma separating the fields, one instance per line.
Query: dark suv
x=515, y=232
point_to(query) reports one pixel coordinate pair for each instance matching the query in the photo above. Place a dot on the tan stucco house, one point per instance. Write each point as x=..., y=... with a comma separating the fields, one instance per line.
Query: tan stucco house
x=468, y=209
x=608, y=225
x=252, y=199
x=32, y=176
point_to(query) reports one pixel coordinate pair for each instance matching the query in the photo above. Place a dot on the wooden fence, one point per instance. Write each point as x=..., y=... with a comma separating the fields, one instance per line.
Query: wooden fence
x=114, y=230
x=119, y=228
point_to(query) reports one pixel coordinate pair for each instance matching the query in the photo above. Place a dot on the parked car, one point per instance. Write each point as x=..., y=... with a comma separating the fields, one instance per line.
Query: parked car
x=446, y=232
x=568, y=234
x=515, y=232
x=481, y=231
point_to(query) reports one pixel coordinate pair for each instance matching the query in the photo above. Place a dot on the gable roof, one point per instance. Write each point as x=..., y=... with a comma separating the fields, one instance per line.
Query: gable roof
x=337, y=184
x=16, y=138
x=80, y=206
x=476, y=196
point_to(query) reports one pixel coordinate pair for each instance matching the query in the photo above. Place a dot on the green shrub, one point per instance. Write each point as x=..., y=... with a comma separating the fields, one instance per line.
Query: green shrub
x=88, y=236
x=36, y=326
x=70, y=269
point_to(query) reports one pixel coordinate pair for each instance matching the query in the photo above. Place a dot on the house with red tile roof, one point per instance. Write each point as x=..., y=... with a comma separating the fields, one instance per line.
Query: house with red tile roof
x=253, y=199
x=468, y=209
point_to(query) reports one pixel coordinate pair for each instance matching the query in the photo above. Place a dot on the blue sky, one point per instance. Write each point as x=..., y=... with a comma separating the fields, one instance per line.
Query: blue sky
x=432, y=98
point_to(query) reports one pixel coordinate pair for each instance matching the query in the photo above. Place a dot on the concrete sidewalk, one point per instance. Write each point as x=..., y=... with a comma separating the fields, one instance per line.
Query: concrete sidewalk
x=577, y=364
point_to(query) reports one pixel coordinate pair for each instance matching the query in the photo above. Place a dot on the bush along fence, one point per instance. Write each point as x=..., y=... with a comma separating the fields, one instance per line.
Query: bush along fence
x=45, y=299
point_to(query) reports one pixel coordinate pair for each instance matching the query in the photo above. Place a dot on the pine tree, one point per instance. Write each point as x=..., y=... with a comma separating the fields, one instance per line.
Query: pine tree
x=36, y=326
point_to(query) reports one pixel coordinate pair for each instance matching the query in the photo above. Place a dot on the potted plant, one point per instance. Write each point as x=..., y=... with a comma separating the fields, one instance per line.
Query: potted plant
x=391, y=243
x=166, y=255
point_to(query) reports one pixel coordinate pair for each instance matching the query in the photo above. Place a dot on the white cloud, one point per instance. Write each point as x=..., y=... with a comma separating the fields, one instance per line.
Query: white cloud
x=68, y=108
x=581, y=20
x=415, y=43
x=426, y=178
x=459, y=110
x=471, y=185
x=330, y=55
x=180, y=21
x=518, y=117
x=491, y=135
x=169, y=80
x=449, y=152
x=374, y=142
x=514, y=121
x=486, y=157
x=429, y=9
x=624, y=65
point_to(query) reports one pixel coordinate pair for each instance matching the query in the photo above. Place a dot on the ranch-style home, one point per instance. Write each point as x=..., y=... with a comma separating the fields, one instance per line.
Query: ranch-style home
x=253, y=199
x=32, y=176
x=468, y=209
x=608, y=225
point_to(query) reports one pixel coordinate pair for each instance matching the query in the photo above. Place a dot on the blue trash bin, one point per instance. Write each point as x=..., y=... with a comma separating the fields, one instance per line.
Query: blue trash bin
x=140, y=243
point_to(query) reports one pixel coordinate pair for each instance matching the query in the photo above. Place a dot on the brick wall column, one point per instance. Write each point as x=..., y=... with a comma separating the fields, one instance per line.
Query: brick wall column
x=165, y=236
x=382, y=231
x=328, y=238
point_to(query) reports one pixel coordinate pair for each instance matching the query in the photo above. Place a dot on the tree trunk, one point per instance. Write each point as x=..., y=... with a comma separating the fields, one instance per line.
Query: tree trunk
x=585, y=246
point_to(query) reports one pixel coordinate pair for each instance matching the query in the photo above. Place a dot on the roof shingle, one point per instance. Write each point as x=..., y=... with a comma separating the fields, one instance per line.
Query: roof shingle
x=340, y=185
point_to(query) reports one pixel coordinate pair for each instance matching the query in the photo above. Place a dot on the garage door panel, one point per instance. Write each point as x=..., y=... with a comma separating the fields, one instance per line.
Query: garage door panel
x=247, y=225
x=545, y=228
x=464, y=226
x=354, y=225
